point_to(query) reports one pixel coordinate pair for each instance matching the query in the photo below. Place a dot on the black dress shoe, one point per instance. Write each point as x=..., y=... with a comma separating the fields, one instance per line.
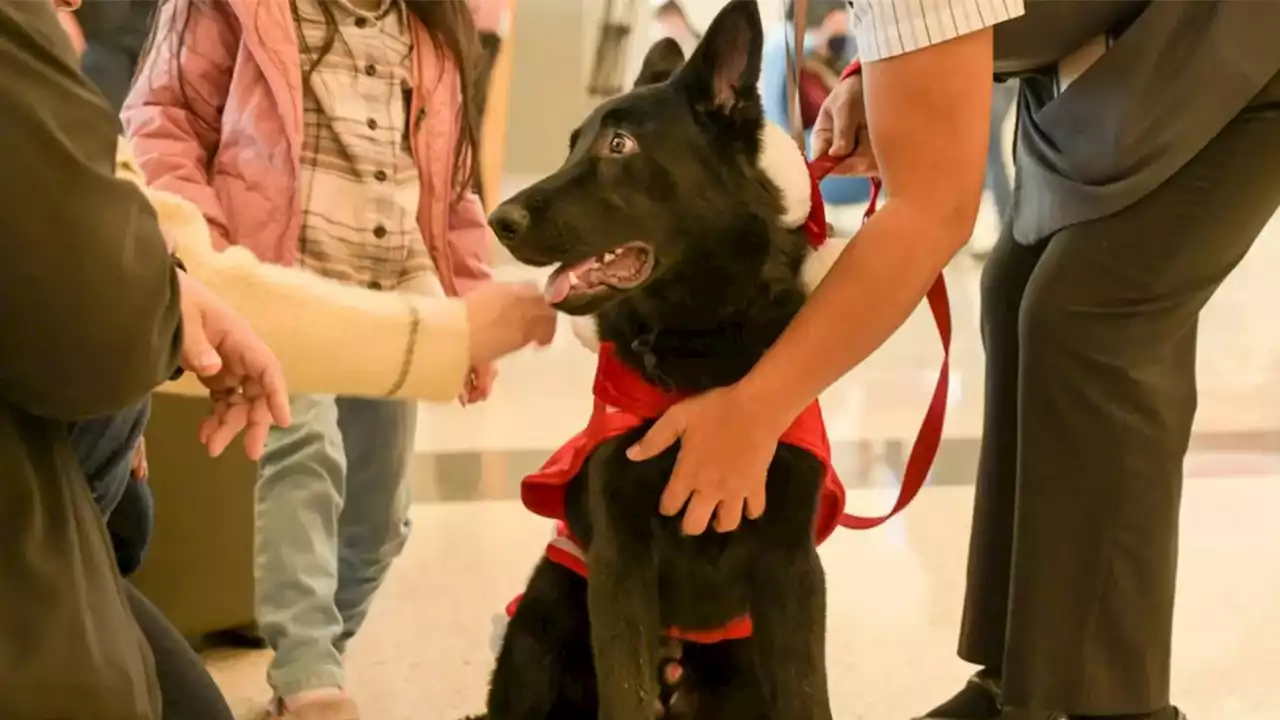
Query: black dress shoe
x=979, y=699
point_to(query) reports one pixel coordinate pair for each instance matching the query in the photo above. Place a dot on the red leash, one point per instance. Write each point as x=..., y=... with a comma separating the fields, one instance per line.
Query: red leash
x=929, y=437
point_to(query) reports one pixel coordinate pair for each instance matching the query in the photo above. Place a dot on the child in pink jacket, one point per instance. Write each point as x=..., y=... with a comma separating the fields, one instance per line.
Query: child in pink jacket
x=335, y=135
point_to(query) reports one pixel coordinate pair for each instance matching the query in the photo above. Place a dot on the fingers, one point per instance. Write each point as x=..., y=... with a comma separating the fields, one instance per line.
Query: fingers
x=538, y=317
x=661, y=436
x=543, y=325
x=861, y=162
x=729, y=515
x=677, y=492
x=821, y=136
x=842, y=137
x=198, y=354
x=697, y=515
x=480, y=386
x=756, y=503
x=257, y=428
x=210, y=424
x=485, y=379
x=276, y=393
x=233, y=419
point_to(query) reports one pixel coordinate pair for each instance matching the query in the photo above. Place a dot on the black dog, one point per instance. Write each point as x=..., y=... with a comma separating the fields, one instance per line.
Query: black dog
x=665, y=228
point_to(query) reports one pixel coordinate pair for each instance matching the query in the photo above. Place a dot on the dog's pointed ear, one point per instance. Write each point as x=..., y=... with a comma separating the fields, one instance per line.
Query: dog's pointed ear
x=660, y=63
x=724, y=69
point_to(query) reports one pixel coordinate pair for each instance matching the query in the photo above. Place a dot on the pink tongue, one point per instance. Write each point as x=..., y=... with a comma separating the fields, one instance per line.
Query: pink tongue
x=557, y=288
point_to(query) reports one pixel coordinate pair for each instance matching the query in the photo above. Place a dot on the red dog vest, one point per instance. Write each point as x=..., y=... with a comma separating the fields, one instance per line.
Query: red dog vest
x=624, y=400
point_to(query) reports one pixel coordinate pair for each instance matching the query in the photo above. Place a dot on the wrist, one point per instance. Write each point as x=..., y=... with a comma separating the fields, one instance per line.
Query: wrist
x=769, y=401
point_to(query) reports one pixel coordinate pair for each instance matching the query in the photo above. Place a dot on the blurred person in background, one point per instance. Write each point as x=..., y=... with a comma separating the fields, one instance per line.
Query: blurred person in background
x=827, y=43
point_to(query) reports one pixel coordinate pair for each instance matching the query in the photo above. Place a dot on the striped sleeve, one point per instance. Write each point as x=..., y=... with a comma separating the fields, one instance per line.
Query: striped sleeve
x=885, y=28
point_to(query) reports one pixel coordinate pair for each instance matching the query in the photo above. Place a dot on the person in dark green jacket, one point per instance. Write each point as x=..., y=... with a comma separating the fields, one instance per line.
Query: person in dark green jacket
x=94, y=312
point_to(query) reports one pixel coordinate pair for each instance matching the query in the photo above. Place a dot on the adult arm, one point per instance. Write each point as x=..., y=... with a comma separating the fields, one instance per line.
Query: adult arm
x=173, y=115
x=928, y=101
x=928, y=112
x=409, y=346
x=89, y=305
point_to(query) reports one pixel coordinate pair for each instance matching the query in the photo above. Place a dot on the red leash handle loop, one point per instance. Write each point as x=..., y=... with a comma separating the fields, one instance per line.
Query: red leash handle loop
x=929, y=437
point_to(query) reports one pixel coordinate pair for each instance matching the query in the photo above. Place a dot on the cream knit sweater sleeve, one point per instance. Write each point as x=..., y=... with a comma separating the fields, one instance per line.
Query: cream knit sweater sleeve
x=330, y=338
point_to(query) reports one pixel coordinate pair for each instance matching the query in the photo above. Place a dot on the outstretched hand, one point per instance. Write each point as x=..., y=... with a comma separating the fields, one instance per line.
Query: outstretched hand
x=725, y=451
x=243, y=376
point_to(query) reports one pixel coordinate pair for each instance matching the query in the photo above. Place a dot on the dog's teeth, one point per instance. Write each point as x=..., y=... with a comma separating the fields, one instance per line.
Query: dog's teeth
x=573, y=279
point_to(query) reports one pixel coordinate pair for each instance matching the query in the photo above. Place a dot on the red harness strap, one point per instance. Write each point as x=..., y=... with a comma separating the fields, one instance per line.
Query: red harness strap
x=624, y=401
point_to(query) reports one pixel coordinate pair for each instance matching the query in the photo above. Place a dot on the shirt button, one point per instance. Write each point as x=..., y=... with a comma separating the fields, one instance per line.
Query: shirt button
x=380, y=176
x=362, y=22
x=374, y=285
x=370, y=69
x=380, y=232
x=373, y=124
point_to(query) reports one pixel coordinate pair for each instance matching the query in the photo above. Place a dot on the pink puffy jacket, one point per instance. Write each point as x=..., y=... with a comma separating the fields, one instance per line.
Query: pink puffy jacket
x=229, y=136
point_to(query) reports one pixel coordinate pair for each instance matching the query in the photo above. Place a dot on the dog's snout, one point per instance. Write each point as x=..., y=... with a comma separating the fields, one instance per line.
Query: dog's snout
x=509, y=221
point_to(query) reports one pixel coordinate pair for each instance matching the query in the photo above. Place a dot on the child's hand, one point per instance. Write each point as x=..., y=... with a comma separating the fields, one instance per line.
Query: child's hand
x=505, y=317
x=479, y=385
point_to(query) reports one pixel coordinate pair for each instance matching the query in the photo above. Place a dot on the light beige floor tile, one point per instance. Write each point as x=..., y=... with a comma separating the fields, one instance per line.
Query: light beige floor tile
x=894, y=603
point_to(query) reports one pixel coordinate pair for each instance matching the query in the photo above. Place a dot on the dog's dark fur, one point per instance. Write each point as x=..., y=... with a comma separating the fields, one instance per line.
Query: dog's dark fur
x=725, y=284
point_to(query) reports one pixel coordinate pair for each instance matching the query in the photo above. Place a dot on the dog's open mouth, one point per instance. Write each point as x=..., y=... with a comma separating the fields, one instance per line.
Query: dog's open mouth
x=622, y=268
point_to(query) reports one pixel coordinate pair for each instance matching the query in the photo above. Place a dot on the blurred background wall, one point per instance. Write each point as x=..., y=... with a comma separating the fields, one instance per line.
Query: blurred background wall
x=556, y=41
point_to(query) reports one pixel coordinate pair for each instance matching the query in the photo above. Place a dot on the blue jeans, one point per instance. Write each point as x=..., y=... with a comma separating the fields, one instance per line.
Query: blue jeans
x=115, y=32
x=332, y=514
x=104, y=446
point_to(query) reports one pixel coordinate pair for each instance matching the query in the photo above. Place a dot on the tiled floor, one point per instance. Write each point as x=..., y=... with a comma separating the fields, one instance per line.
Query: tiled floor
x=894, y=599
x=894, y=592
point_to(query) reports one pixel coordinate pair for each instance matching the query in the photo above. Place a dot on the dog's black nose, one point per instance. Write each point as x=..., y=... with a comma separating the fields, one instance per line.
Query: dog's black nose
x=509, y=221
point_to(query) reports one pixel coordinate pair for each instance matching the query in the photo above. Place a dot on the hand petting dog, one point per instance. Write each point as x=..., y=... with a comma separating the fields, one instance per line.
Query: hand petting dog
x=726, y=446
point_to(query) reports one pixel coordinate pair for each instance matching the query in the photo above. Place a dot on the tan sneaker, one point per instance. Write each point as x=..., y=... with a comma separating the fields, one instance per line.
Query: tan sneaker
x=343, y=708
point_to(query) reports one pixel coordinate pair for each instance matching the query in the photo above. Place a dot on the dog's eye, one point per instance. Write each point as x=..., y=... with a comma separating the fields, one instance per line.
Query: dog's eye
x=621, y=144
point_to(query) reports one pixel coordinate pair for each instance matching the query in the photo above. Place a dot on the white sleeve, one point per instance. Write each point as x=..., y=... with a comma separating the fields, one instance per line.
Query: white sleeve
x=885, y=28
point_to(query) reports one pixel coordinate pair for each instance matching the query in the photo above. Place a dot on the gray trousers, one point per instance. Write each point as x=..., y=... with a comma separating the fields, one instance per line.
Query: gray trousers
x=1090, y=395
